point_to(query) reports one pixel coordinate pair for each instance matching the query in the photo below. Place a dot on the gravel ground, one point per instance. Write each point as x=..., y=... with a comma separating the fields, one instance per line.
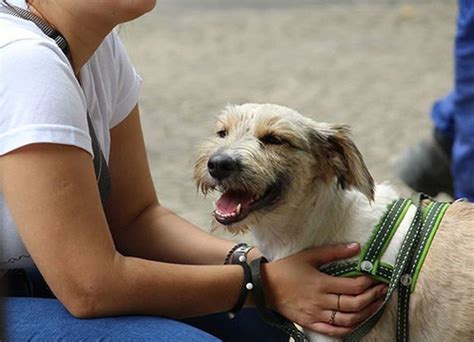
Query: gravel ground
x=377, y=66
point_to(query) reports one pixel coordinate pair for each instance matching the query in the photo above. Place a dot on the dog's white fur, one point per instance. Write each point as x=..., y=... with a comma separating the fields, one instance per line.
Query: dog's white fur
x=334, y=205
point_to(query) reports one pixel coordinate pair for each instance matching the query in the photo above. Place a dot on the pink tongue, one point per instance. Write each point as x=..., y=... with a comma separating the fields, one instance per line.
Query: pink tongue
x=229, y=201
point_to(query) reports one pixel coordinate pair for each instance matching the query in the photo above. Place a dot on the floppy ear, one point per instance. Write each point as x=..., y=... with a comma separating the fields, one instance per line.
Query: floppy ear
x=332, y=142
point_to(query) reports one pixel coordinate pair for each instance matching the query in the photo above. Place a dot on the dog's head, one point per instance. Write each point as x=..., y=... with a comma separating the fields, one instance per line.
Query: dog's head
x=264, y=157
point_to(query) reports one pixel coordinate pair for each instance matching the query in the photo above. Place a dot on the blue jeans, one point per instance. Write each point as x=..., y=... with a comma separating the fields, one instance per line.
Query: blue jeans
x=39, y=319
x=454, y=114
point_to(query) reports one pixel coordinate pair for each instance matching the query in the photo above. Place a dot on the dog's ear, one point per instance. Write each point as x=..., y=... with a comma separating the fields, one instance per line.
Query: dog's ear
x=332, y=142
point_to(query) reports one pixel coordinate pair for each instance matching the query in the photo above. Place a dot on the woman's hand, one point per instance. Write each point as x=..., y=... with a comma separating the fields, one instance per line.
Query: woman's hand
x=296, y=288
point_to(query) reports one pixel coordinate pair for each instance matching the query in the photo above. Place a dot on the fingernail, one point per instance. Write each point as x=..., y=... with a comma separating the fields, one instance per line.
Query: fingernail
x=353, y=244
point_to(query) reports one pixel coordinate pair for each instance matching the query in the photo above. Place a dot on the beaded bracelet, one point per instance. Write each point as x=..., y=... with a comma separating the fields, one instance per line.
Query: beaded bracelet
x=234, y=256
x=240, y=254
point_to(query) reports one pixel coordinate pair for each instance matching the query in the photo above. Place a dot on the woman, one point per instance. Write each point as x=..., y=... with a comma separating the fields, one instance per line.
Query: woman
x=129, y=256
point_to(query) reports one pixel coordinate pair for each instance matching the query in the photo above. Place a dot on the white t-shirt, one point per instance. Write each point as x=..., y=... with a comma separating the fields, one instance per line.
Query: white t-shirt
x=41, y=101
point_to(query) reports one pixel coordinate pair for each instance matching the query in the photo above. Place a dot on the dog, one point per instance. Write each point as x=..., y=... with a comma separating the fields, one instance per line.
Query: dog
x=295, y=183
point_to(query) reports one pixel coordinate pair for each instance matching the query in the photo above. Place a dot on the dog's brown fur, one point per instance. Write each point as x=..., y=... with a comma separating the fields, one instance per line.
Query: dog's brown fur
x=328, y=197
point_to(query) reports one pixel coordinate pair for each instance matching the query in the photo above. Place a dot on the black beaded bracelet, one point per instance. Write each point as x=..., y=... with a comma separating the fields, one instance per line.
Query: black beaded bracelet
x=228, y=258
x=240, y=254
x=247, y=286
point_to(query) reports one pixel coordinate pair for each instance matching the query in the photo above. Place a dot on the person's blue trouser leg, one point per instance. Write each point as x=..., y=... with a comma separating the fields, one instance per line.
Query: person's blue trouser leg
x=40, y=319
x=246, y=326
x=454, y=114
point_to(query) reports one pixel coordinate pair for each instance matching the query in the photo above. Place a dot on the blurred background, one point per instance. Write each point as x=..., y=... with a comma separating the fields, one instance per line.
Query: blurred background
x=375, y=65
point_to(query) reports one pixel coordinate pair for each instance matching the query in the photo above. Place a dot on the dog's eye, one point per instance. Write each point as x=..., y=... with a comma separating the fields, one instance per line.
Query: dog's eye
x=271, y=139
x=222, y=133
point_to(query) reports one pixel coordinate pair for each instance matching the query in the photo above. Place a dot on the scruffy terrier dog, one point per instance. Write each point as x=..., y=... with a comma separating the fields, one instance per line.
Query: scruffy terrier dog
x=295, y=183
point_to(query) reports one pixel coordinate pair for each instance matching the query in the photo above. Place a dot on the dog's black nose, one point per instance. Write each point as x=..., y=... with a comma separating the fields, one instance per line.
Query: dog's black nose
x=221, y=166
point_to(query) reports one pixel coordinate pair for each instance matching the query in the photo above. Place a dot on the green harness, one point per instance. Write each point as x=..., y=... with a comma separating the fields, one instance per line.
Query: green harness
x=404, y=274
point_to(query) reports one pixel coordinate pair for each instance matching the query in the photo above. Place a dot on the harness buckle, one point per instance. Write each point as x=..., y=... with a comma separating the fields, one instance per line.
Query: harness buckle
x=366, y=266
x=406, y=280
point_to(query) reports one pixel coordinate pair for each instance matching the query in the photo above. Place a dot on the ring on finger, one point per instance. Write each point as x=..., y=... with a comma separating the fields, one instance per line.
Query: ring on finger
x=333, y=317
x=339, y=302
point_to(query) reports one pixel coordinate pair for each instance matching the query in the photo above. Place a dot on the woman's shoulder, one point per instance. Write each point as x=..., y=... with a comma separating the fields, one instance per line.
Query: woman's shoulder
x=16, y=30
x=29, y=60
x=41, y=97
x=22, y=41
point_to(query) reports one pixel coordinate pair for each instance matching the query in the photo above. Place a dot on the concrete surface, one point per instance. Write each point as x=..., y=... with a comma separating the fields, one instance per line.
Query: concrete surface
x=376, y=66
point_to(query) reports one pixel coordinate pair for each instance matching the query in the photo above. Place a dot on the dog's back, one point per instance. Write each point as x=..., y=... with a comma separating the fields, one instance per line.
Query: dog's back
x=442, y=305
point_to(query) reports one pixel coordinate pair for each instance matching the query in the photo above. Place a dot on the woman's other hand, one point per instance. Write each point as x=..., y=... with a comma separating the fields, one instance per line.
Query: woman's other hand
x=299, y=291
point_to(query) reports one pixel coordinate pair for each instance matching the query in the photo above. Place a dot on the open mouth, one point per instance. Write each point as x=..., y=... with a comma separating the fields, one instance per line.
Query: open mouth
x=234, y=206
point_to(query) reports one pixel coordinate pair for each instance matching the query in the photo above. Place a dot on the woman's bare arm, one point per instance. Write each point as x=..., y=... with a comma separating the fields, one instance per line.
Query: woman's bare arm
x=51, y=192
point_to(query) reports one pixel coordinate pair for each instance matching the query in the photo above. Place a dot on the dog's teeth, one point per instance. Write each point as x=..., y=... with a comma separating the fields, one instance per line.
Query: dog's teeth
x=219, y=213
x=237, y=210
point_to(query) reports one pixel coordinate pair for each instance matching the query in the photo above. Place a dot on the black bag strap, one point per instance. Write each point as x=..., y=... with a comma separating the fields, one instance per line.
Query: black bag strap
x=100, y=164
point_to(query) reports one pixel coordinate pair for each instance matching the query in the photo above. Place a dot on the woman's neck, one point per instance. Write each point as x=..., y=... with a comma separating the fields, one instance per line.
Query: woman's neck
x=83, y=36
